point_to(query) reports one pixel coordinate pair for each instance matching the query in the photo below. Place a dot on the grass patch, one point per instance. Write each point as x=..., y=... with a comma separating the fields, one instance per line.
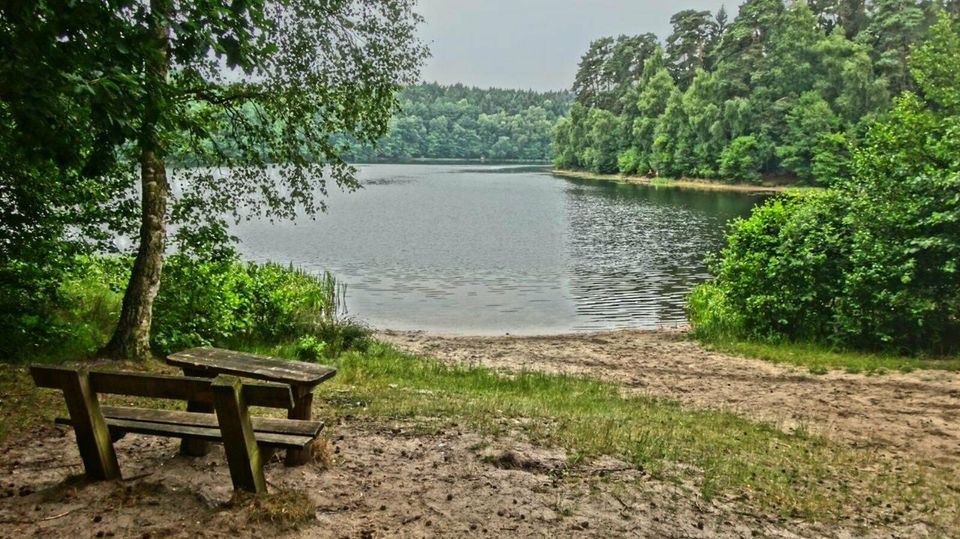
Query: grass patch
x=663, y=181
x=820, y=359
x=284, y=508
x=796, y=475
x=24, y=408
x=720, y=455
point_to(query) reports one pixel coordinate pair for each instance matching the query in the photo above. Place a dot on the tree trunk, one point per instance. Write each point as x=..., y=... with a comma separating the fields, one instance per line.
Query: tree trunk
x=132, y=336
x=131, y=339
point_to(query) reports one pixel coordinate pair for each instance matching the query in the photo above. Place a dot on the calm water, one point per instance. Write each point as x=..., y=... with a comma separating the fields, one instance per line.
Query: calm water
x=481, y=249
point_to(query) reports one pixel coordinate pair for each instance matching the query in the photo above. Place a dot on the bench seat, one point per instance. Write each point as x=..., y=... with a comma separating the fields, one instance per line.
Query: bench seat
x=269, y=432
x=247, y=441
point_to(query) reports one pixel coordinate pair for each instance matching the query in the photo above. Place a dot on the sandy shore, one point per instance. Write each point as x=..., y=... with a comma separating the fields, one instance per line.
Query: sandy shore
x=682, y=183
x=913, y=414
x=398, y=479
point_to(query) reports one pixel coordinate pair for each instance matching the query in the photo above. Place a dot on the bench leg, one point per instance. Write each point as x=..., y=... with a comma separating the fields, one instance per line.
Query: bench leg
x=191, y=447
x=93, y=435
x=239, y=442
x=302, y=410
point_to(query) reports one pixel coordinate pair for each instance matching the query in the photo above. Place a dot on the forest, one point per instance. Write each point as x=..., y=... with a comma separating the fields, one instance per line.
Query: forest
x=783, y=91
x=438, y=121
x=869, y=263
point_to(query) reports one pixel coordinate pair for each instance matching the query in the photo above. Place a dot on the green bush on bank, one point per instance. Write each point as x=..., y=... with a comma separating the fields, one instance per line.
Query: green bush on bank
x=228, y=302
x=872, y=263
x=202, y=302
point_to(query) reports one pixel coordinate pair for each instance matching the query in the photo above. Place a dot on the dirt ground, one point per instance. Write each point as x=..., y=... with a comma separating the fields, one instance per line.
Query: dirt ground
x=386, y=482
x=392, y=480
x=915, y=414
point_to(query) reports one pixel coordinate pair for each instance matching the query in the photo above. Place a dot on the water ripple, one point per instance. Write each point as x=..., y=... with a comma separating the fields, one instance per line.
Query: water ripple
x=488, y=250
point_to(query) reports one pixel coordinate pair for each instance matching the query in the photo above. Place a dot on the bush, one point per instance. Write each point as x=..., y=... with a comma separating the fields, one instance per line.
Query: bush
x=711, y=315
x=836, y=267
x=743, y=159
x=629, y=161
x=779, y=273
x=871, y=263
x=309, y=348
x=218, y=302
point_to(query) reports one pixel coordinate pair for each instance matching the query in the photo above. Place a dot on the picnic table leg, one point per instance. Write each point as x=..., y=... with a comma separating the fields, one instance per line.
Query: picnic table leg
x=239, y=441
x=301, y=410
x=190, y=447
x=93, y=435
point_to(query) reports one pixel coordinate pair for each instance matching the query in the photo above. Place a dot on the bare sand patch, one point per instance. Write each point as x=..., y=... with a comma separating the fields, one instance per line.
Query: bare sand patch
x=386, y=481
x=393, y=479
x=914, y=415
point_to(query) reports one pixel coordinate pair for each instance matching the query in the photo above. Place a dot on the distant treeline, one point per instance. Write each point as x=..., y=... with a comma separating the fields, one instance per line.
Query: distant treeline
x=785, y=89
x=461, y=122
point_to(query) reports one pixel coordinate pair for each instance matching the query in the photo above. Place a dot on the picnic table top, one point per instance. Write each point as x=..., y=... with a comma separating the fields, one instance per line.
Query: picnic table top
x=220, y=361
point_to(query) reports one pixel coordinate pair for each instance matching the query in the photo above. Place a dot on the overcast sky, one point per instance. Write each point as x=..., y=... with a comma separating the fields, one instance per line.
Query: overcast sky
x=533, y=43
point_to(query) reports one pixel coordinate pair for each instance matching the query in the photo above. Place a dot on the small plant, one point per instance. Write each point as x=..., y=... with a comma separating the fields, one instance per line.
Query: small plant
x=323, y=452
x=285, y=508
x=309, y=348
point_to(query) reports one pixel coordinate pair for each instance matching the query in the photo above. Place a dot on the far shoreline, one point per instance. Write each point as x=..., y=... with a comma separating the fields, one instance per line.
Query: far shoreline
x=681, y=183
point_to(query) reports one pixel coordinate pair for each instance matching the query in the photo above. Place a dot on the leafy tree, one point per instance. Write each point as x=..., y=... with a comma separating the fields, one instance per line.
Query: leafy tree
x=831, y=161
x=743, y=46
x=743, y=159
x=688, y=47
x=563, y=149
x=872, y=262
x=455, y=121
x=895, y=25
x=589, y=85
x=850, y=15
x=278, y=76
x=807, y=122
x=844, y=77
x=747, y=77
x=601, y=153
x=55, y=134
x=656, y=88
x=608, y=69
x=667, y=133
x=704, y=131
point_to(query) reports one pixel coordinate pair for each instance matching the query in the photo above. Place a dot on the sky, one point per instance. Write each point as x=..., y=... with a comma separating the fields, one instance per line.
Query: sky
x=533, y=44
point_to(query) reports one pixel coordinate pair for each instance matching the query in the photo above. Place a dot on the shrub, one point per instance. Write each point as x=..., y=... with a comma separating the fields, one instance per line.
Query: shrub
x=209, y=302
x=711, y=315
x=309, y=348
x=871, y=263
x=629, y=161
x=743, y=159
x=779, y=273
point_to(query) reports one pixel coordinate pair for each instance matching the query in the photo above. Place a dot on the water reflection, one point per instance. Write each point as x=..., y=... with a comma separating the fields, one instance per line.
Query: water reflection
x=488, y=249
x=635, y=251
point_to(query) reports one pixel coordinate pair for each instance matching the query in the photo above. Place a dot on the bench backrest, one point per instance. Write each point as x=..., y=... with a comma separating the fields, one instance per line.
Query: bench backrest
x=229, y=395
x=160, y=386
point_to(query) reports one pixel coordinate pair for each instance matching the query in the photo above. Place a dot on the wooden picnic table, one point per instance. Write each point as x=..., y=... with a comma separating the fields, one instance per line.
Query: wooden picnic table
x=211, y=362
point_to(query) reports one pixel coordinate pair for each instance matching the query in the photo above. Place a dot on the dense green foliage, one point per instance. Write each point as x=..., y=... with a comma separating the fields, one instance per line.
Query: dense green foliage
x=779, y=91
x=201, y=302
x=461, y=122
x=95, y=98
x=873, y=262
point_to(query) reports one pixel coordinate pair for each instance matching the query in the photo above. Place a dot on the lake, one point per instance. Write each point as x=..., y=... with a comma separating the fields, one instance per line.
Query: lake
x=487, y=249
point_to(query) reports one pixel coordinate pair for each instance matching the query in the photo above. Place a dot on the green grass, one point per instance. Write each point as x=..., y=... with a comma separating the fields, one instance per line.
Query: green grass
x=663, y=181
x=722, y=455
x=718, y=454
x=820, y=359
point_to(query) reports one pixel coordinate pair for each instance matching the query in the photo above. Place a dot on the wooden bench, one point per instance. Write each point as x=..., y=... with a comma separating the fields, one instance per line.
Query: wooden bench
x=211, y=362
x=97, y=427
